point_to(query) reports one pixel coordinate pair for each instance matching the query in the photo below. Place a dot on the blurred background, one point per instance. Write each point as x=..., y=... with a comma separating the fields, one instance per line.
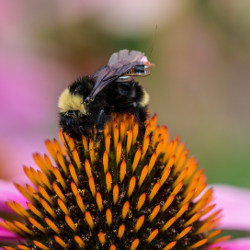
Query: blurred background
x=199, y=87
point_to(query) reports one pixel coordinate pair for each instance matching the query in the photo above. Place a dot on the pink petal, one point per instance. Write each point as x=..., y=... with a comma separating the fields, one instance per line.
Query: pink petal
x=235, y=203
x=8, y=236
x=239, y=244
x=10, y=193
x=29, y=118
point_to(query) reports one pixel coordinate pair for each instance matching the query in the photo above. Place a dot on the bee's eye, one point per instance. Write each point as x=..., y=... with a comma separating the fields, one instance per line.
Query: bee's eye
x=69, y=113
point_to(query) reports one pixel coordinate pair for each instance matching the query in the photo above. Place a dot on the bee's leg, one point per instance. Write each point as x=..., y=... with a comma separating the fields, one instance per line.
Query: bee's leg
x=83, y=131
x=67, y=145
x=140, y=121
x=100, y=123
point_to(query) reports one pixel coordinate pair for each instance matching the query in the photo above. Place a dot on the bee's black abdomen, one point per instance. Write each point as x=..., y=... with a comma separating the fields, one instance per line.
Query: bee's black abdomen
x=123, y=94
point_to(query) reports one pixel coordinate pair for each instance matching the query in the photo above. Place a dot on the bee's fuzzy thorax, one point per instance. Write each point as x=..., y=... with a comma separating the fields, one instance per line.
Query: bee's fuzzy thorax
x=69, y=101
x=145, y=99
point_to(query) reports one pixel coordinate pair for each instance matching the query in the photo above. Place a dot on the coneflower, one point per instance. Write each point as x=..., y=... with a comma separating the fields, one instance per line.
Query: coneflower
x=130, y=191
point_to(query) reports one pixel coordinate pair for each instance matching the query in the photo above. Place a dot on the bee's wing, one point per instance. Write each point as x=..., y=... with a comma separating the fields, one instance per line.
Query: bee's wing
x=119, y=63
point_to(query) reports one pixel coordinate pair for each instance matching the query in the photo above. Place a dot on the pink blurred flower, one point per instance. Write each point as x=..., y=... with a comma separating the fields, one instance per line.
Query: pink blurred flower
x=236, y=207
x=9, y=192
x=238, y=244
x=7, y=236
x=28, y=90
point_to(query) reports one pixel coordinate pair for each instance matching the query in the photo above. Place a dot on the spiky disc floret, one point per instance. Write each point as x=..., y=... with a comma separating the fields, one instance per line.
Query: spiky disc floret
x=130, y=191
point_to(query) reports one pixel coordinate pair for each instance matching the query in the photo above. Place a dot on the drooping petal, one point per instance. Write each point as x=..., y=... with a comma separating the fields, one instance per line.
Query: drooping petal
x=239, y=244
x=7, y=236
x=8, y=192
x=235, y=203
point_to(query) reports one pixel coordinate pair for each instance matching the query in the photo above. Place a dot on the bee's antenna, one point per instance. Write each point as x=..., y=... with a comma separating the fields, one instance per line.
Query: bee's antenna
x=67, y=145
x=153, y=41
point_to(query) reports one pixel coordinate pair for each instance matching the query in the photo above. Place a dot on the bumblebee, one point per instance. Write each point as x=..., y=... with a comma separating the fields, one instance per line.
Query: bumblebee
x=91, y=100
